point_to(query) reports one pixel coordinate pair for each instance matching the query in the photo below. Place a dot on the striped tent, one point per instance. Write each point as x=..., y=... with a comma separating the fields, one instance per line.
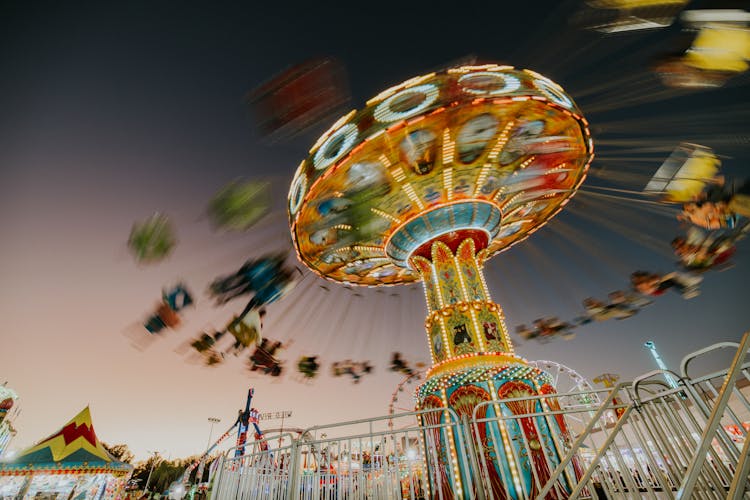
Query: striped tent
x=74, y=452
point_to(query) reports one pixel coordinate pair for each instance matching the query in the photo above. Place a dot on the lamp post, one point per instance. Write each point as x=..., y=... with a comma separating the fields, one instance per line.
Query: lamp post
x=199, y=472
x=213, y=421
x=153, y=463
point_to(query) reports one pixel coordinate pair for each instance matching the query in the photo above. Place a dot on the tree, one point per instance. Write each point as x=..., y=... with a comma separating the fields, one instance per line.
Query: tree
x=142, y=469
x=165, y=472
x=120, y=452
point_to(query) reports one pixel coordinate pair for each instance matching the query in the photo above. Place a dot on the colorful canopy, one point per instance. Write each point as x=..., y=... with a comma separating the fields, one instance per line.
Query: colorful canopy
x=73, y=449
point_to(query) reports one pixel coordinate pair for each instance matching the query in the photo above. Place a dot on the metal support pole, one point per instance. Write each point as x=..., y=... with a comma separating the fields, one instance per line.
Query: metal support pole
x=26, y=485
x=699, y=457
x=148, y=479
x=215, y=485
x=213, y=421
x=471, y=452
x=737, y=488
x=294, y=465
x=602, y=451
x=581, y=438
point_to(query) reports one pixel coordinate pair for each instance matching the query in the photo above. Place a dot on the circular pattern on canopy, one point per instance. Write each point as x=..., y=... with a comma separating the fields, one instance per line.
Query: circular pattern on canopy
x=407, y=103
x=336, y=146
x=488, y=83
x=470, y=136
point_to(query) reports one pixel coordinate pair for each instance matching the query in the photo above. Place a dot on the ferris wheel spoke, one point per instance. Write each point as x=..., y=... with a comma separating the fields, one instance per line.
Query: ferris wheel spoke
x=564, y=379
x=395, y=407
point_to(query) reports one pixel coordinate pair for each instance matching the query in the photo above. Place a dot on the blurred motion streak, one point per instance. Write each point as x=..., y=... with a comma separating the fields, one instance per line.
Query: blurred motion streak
x=613, y=16
x=299, y=98
x=719, y=51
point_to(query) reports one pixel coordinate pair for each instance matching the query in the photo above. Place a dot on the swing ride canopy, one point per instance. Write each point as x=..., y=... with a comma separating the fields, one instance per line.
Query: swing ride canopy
x=485, y=152
x=74, y=449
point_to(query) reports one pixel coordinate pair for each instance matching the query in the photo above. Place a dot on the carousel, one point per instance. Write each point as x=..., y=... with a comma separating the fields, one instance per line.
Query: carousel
x=72, y=463
x=426, y=183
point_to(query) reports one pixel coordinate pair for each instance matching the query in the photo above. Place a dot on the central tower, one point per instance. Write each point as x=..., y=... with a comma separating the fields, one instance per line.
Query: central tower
x=432, y=178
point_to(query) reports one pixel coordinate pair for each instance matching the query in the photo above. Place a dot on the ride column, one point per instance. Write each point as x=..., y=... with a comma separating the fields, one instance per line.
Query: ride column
x=461, y=319
x=474, y=370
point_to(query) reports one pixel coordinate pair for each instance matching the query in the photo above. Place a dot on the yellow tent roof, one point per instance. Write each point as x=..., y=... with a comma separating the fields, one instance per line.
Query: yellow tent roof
x=74, y=447
x=77, y=434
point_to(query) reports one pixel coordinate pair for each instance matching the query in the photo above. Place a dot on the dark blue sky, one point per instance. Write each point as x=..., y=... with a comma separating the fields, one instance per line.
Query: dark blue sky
x=113, y=111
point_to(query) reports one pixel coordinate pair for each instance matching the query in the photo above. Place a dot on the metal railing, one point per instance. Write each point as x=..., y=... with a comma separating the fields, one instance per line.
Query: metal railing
x=667, y=443
x=643, y=440
x=258, y=474
x=372, y=460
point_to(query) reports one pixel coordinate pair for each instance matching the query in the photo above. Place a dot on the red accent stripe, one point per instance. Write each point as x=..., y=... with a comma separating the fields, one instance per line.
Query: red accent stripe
x=71, y=432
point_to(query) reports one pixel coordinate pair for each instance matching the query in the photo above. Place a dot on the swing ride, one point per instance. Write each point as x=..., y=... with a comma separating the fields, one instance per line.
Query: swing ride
x=432, y=178
x=426, y=183
x=718, y=52
x=345, y=225
x=530, y=179
x=465, y=200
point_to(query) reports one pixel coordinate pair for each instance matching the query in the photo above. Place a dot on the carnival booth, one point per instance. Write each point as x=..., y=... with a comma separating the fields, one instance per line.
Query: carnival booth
x=70, y=464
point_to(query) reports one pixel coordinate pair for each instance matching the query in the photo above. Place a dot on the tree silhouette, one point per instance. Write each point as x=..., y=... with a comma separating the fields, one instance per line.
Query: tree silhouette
x=120, y=452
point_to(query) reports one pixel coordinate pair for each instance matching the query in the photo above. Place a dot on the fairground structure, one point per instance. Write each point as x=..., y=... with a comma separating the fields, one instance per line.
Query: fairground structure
x=71, y=463
x=637, y=439
x=428, y=181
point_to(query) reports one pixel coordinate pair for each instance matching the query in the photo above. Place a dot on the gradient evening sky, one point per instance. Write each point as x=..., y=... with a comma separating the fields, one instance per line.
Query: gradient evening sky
x=111, y=111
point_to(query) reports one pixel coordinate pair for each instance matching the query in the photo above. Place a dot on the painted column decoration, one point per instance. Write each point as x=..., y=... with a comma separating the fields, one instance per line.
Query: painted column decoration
x=464, y=401
x=436, y=449
x=462, y=319
x=533, y=434
x=474, y=371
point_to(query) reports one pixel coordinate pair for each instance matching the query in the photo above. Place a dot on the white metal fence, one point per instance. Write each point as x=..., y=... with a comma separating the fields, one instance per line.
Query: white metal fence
x=646, y=440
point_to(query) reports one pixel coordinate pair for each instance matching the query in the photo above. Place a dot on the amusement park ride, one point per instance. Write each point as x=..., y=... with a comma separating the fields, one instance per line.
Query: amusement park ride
x=245, y=418
x=660, y=363
x=426, y=183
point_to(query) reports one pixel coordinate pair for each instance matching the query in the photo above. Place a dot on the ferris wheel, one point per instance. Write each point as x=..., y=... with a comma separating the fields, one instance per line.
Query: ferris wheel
x=402, y=402
x=568, y=382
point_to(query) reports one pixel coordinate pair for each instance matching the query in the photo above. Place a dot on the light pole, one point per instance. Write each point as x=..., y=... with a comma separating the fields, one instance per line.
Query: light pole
x=153, y=463
x=213, y=421
x=199, y=472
